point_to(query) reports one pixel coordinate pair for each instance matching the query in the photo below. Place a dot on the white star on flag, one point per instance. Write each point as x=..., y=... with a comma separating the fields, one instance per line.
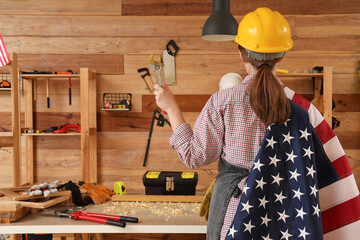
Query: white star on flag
x=286, y=235
x=277, y=179
x=271, y=142
x=246, y=206
x=308, y=152
x=232, y=231
x=267, y=237
x=283, y=216
x=248, y=227
x=279, y=197
x=316, y=210
x=313, y=190
x=245, y=189
x=311, y=171
x=291, y=156
x=301, y=213
x=263, y=202
x=285, y=123
x=288, y=138
x=294, y=175
x=258, y=165
x=274, y=160
x=260, y=183
x=265, y=220
x=304, y=134
x=303, y=233
x=298, y=194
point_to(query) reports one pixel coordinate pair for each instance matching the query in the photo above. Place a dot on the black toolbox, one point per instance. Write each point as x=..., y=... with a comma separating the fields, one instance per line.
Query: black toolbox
x=170, y=183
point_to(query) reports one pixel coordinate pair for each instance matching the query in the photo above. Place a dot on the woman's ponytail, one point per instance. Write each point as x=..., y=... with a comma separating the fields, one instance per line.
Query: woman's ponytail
x=267, y=96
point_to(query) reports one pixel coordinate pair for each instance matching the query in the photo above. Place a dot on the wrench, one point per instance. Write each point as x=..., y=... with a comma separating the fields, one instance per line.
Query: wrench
x=156, y=67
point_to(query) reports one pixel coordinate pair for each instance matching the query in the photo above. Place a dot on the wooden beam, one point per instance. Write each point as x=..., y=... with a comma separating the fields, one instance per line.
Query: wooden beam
x=328, y=85
x=29, y=124
x=15, y=99
x=88, y=125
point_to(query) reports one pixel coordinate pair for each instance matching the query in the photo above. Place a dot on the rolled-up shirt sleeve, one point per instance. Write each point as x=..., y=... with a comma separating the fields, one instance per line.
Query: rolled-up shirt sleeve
x=202, y=145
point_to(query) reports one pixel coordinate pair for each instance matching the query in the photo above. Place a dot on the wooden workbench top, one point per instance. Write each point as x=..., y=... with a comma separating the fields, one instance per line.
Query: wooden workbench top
x=153, y=218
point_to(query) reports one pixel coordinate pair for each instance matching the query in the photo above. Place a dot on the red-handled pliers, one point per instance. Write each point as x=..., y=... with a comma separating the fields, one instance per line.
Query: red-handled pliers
x=97, y=217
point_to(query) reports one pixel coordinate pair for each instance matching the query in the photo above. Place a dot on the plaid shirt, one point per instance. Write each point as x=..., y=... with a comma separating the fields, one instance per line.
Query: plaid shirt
x=227, y=127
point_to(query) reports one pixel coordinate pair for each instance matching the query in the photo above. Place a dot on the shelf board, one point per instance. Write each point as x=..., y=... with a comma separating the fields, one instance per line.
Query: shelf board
x=299, y=74
x=33, y=76
x=115, y=110
x=5, y=89
x=156, y=198
x=6, y=134
x=52, y=134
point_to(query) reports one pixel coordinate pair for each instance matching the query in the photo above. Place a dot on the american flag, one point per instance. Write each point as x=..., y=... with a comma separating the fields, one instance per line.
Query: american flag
x=4, y=57
x=340, y=200
x=301, y=185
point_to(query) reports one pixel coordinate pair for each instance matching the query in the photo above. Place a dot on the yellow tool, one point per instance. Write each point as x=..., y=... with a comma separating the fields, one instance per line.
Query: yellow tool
x=282, y=71
x=119, y=188
x=156, y=67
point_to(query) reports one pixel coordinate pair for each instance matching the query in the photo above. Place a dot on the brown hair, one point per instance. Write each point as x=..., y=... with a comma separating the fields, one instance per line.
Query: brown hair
x=267, y=96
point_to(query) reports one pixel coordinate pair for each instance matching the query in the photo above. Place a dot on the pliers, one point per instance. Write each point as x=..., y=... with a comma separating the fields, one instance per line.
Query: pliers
x=119, y=221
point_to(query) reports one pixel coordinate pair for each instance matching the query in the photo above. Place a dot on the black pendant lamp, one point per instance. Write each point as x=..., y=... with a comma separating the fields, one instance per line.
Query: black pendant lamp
x=221, y=25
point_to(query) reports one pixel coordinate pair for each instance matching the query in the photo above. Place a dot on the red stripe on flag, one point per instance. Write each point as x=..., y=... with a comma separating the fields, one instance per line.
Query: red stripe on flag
x=342, y=167
x=301, y=101
x=341, y=215
x=3, y=53
x=324, y=132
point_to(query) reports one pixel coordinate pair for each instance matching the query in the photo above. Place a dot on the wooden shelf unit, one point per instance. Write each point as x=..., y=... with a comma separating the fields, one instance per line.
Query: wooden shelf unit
x=327, y=77
x=12, y=139
x=88, y=123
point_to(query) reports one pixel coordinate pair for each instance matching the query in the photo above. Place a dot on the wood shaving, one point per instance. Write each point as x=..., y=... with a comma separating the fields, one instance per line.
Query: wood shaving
x=160, y=210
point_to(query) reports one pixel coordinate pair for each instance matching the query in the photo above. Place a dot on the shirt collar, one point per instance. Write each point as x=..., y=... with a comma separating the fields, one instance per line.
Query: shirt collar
x=248, y=78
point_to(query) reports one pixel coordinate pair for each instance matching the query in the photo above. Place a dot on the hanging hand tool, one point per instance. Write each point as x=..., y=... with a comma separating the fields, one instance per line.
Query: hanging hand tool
x=69, y=90
x=94, y=217
x=156, y=67
x=35, y=90
x=47, y=92
x=169, y=63
x=160, y=122
x=150, y=84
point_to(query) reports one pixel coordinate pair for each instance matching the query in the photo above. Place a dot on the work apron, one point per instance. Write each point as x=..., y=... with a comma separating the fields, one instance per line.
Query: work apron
x=226, y=185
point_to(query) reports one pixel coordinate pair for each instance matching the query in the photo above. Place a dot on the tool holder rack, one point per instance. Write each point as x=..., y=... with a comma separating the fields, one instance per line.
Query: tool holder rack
x=7, y=77
x=88, y=123
x=123, y=100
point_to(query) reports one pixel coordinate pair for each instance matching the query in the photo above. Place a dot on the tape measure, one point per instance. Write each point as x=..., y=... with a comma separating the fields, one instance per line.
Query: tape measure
x=119, y=188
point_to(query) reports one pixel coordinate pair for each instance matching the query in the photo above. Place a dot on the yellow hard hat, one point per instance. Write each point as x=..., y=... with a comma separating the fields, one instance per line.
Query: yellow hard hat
x=264, y=31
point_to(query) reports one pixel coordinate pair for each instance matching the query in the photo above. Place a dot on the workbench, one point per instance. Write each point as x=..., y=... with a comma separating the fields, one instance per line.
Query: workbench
x=47, y=222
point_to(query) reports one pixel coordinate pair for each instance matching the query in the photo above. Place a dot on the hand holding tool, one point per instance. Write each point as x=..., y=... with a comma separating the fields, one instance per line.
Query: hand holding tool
x=100, y=218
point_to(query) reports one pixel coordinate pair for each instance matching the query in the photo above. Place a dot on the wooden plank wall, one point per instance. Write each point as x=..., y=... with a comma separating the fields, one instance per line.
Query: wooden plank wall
x=116, y=37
